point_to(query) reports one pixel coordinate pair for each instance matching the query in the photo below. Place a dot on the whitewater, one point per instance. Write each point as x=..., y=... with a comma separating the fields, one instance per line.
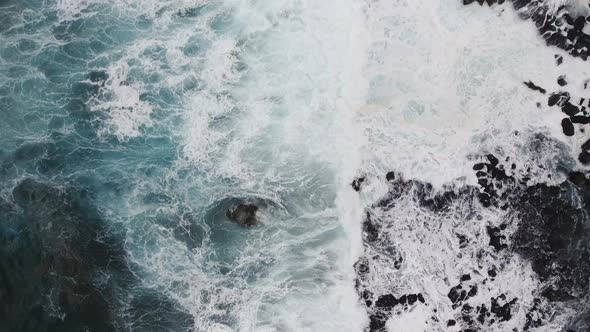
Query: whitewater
x=128, y=129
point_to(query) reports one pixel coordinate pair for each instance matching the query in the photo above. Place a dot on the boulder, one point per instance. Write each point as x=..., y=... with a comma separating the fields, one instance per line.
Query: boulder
x=244, y=214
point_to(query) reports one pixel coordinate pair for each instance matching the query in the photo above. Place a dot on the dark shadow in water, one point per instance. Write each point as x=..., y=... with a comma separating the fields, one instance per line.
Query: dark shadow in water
x=63, y=268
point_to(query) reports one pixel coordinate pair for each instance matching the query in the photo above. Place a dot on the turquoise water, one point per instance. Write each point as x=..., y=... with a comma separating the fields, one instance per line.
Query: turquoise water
x=128, y=129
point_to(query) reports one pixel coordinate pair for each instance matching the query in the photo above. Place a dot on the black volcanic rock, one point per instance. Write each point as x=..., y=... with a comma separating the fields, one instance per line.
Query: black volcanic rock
x=559, y=99
x=390, y=176
x=553, y=233
x=580, y=119
x=584, y=157
x=535, y=87
x=577, y=178
x=558, y=59
x=570, y=109
x=567, y=127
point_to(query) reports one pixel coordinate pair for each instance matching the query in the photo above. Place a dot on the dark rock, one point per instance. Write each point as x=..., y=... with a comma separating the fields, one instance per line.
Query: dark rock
x=577, y=178
x=492, y=272
x=377, y=323
x=356, y=184
x=534, y=87
x=483, y=313
x=553, y=235
x=493, y=160
x=579, y=23
x=455, y=294
x=559, y=98
x=580, y=119
x=387, y=302
x=558, y=59
x=390, y=176
x=503, y=312
x=370, y=229
x=584, y=157
x=451, y=322
x=570, y=109
x=496, y=238
x=244, y=214
x=561, y=81
x=403, y=299
x=567, y=127
x=586, y=145
x=465, y=277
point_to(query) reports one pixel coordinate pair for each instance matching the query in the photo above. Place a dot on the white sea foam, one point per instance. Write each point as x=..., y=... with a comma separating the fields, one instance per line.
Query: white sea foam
x=287, y=101
x=128, y=114
x=448, y=81
x=273, y=113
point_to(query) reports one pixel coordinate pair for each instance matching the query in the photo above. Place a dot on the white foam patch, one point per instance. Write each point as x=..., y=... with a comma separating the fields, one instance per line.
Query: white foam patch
x=448, y=80
x=128, y=114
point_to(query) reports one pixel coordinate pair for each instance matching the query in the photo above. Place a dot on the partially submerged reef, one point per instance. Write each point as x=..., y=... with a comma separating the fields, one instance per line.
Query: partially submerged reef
x=63, y=268
x=560, y=27
x=496, y=225
x=510, y=253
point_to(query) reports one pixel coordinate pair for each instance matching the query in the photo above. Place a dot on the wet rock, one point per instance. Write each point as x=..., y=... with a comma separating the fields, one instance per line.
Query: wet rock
x=584, y=157
x=503, y=312
x=370, y=229
x=569, y=109
x=558, y=59
x=387, y=302
x=497, y=239
x=580, y=119
x=559, y=99
x=553, y=234
x=390, y=176
x=577, y=178
x=455, y=294
x=244, y=214
x=356, y=184
x=567, y=127
x=534, y=87
x=377, y=323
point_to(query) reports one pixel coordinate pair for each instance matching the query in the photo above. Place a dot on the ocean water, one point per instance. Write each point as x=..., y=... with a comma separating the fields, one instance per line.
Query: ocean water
x=129, y=127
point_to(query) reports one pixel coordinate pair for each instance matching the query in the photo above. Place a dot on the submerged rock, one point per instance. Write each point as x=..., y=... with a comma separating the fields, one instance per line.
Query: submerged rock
x=244, y=214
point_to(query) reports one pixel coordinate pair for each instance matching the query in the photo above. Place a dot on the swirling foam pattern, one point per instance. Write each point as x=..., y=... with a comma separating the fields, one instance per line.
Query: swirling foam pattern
x=128, y=128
